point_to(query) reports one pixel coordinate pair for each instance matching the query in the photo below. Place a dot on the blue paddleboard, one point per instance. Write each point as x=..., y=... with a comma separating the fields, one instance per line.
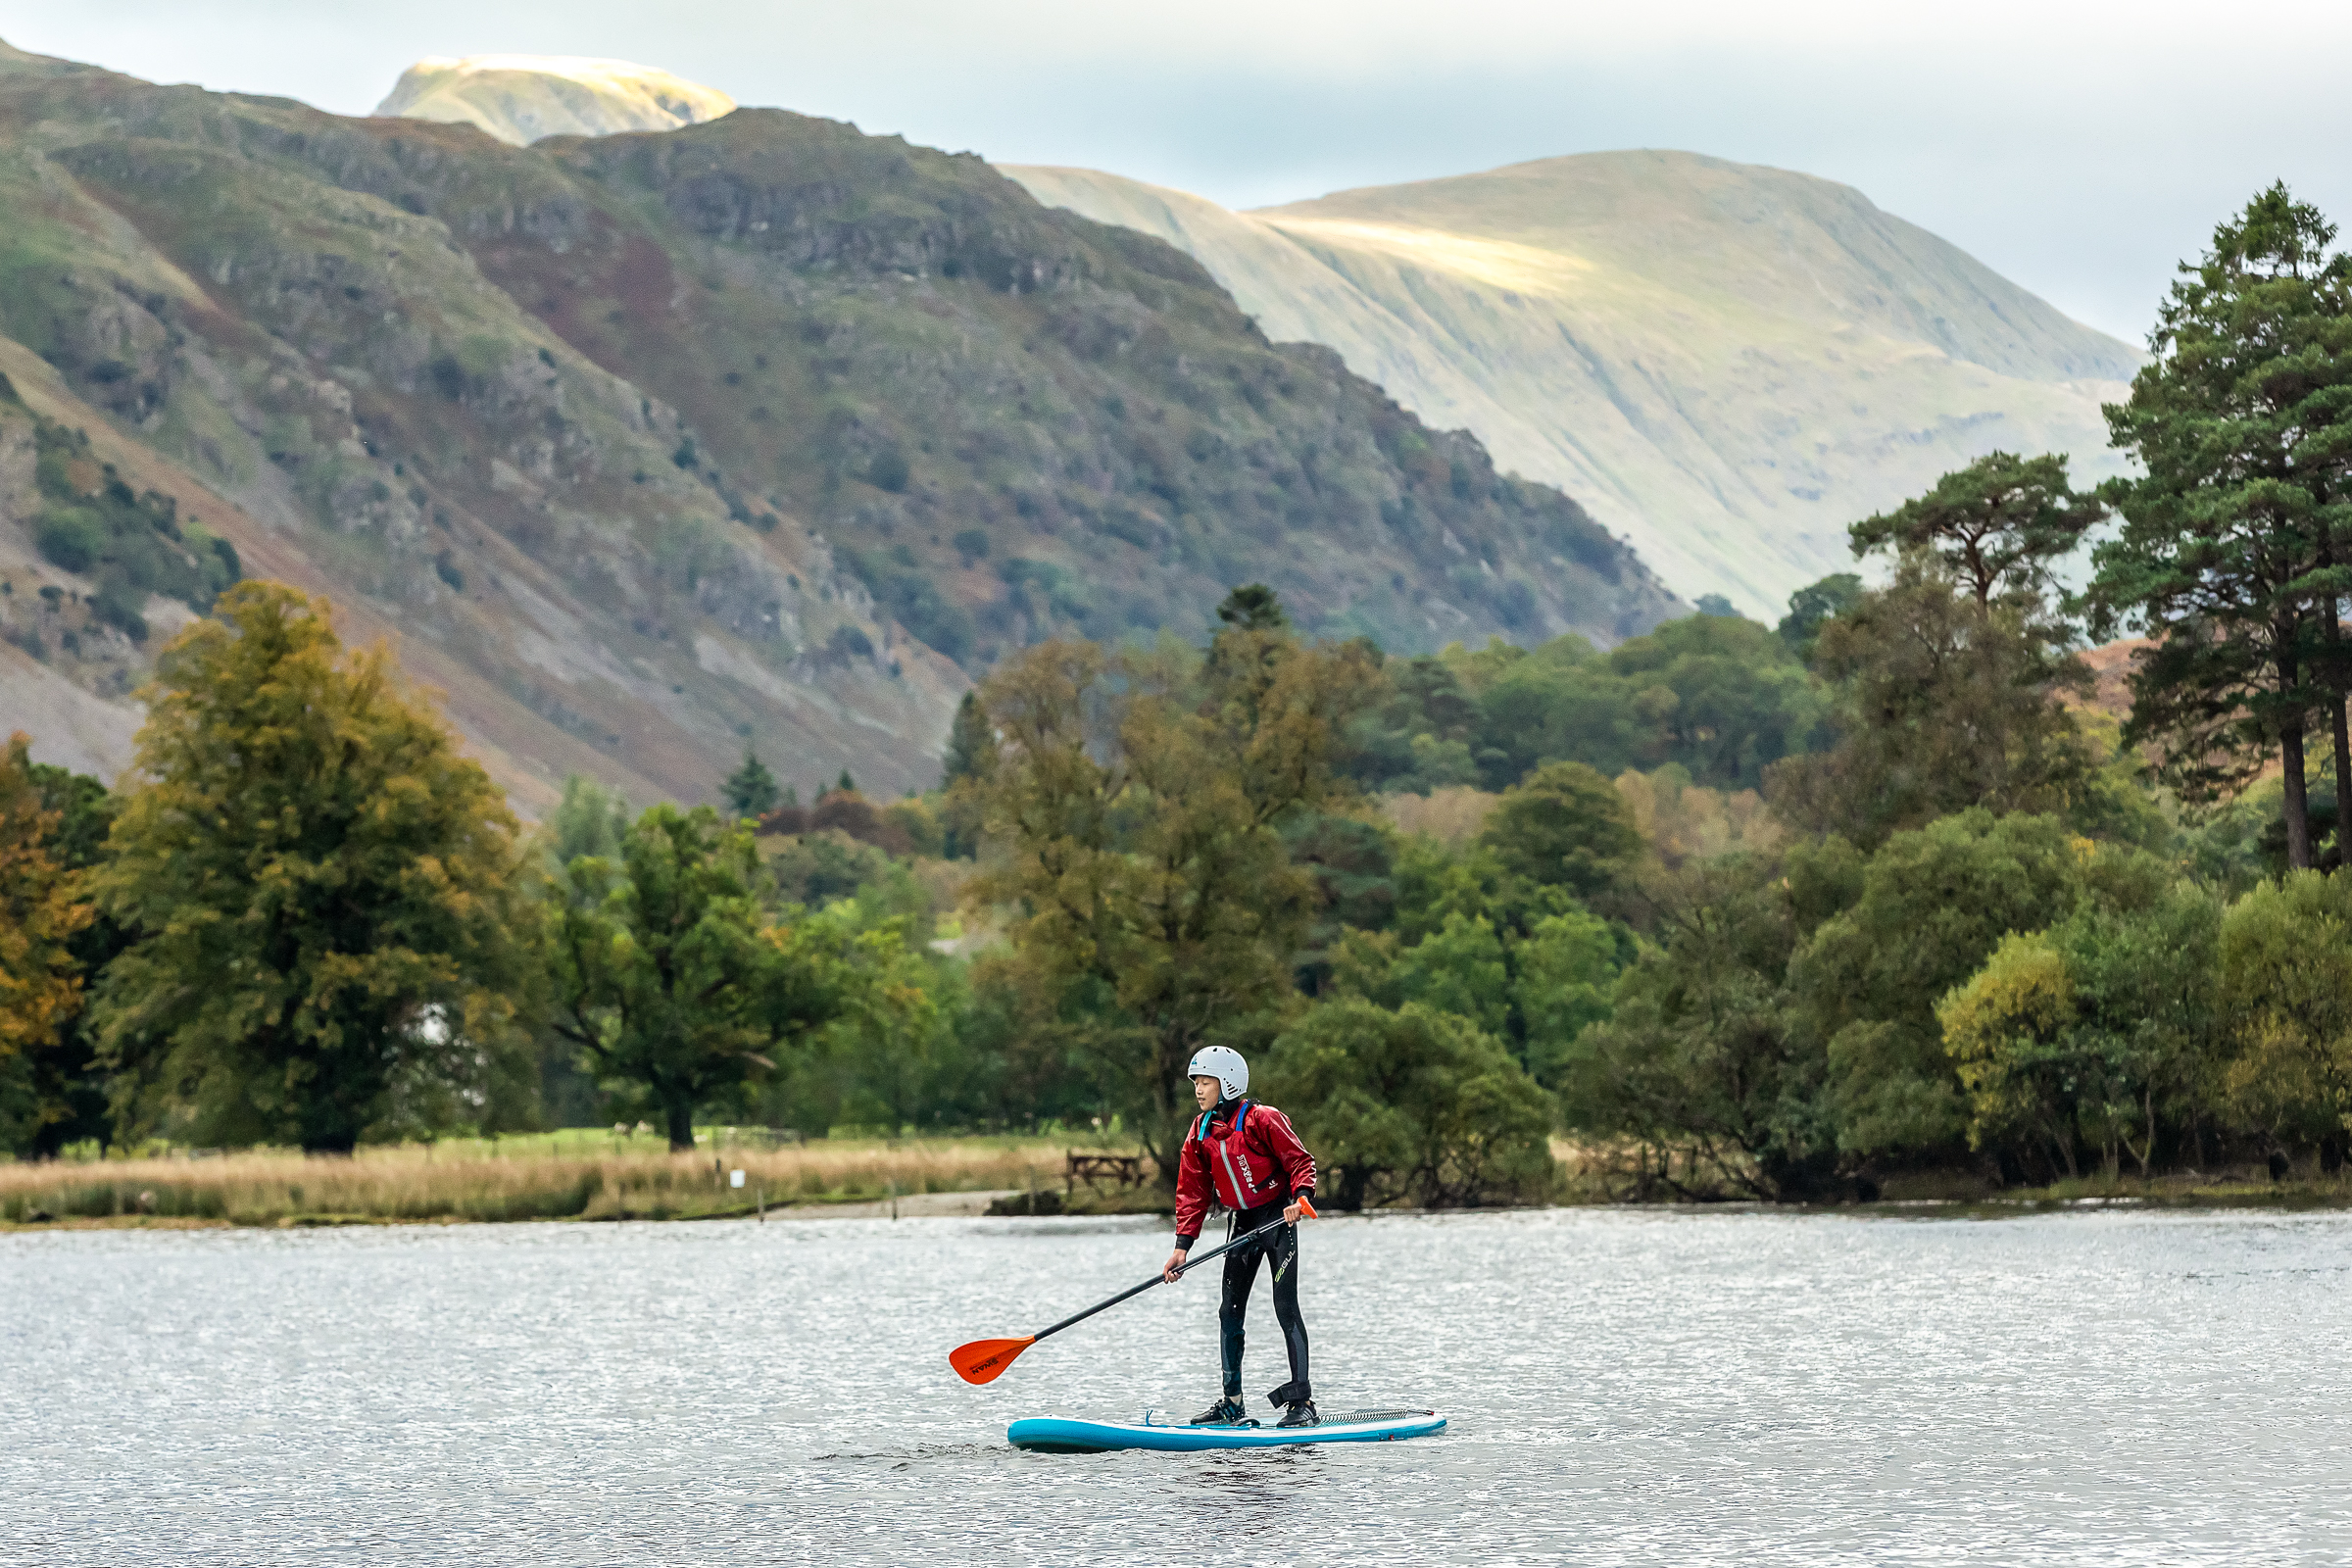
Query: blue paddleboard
x=1058, y=1434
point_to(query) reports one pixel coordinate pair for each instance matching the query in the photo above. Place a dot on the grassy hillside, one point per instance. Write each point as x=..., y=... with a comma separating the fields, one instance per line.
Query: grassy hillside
x=1728, y=364
x=760, y=429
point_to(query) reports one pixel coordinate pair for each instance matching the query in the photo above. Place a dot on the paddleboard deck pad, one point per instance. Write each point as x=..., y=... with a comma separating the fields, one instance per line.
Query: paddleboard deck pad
x=1058, y=1434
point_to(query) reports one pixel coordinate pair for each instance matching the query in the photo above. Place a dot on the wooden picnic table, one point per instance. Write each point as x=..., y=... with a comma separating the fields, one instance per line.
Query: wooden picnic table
x=1127, y=1170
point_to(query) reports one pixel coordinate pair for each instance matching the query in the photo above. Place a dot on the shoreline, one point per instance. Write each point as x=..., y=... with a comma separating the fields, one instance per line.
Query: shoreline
x=2215, y=1196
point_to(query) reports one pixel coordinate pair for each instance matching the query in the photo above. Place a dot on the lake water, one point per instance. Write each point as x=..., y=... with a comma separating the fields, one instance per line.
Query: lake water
x=1645, y=1387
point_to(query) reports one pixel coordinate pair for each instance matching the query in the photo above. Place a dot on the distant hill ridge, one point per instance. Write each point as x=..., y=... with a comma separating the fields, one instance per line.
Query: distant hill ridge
x=1726, y=363
x=652, y=446
x=522, y=98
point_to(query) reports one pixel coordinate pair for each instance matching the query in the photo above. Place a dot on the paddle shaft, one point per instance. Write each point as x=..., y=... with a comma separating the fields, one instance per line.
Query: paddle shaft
x=1156, y=1279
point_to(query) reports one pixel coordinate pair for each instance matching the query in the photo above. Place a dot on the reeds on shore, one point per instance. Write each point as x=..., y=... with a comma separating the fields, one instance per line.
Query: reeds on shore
x=593, y=1176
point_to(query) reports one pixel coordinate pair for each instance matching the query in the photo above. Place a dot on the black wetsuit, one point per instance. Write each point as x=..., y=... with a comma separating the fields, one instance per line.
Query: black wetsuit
x=1279, y=1251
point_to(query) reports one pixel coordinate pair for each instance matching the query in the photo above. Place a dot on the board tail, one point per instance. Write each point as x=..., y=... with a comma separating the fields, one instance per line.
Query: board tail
x=984, y=1360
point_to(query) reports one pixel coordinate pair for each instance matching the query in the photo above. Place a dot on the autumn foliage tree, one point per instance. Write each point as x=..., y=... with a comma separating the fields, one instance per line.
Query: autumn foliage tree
x=40, y=914
x=1133, y=808
x=324, y=899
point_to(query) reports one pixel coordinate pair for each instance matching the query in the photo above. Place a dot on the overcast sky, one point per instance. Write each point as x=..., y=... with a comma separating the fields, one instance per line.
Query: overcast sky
x=2083, y=150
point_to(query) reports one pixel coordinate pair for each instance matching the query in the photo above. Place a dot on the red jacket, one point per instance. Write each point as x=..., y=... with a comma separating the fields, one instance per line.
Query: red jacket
x=1265, y=1163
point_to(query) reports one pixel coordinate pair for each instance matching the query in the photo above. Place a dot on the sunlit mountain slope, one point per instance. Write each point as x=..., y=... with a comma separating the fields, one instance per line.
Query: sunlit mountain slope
x=1728, y=364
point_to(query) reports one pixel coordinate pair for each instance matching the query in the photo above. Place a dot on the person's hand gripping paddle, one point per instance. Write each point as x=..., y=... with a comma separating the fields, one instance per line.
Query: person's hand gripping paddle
x=985, y=1360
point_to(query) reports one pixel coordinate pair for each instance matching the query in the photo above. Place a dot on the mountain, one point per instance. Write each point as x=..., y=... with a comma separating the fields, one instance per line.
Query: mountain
x=521, y=98
x=650, y=445
x=1725, y=364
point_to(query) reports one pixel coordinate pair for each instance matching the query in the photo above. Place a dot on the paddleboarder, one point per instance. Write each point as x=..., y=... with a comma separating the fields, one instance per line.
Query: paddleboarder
x=1246, y=1159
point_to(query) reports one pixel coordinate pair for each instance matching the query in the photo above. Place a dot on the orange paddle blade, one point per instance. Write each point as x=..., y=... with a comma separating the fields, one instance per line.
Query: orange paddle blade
x=983, y=1361
x=1308, y=1209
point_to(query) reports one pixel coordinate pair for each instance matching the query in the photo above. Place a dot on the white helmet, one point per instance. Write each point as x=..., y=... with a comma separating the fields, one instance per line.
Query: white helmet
x=1225, y=1065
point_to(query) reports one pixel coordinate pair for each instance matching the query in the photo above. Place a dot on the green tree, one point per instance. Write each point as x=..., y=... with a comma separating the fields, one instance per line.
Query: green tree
x=1932, y=906
x=1352, y=863
x=752, y=790
x=1942, y=703
x=971, y=758
x=1457, y=969
x=1566, y=827
x=588, y=820
x=1705, y=1055
x=1719, y=695
x=1735, y=699
x=1815, y=604
x=894, y=1058
x=1560, y=702
x=1137, y=800
x=970, y=746
x=1565, y=971
x=1253, y=606
x=325, y=901
x=1418, y=732
x=2286, y=990
x=2000, y=526
x=2147, y=1018
x=2232, y=549
x=672, y=980
x=1410, y=1106
x=2010, y=1032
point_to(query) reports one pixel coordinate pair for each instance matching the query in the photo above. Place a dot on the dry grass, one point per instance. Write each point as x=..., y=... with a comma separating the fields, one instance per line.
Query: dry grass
x=599, y=1177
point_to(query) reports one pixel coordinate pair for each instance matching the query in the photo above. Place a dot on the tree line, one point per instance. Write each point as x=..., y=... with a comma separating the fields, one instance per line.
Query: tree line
x=1775, y=911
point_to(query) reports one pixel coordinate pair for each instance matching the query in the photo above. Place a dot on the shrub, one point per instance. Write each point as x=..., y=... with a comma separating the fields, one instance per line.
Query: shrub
x=71, y=537
x=116, y=602
x=2286, y=990
x=1412, y=1106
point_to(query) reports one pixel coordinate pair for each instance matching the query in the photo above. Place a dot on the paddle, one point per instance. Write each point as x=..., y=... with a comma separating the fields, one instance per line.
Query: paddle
x=985, y=1360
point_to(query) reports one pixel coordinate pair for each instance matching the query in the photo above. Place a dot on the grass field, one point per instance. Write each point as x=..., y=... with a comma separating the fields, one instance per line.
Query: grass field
x=574, y=1174
x=596, y=1175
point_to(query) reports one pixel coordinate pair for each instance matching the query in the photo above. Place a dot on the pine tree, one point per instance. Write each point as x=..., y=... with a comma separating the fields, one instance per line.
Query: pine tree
x=751, y=790
x=2001, y=524
x=970, y=744
x=2234, y=549
x=1253, y=606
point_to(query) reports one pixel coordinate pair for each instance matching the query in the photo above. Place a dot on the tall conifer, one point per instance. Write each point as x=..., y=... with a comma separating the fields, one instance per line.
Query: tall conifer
x=2230, y=548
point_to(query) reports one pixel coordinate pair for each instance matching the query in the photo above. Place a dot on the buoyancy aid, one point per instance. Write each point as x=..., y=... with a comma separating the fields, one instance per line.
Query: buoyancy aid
x=1242, y=1177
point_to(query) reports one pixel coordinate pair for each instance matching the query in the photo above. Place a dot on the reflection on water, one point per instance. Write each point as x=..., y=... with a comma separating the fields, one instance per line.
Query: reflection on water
x=1624, y=1387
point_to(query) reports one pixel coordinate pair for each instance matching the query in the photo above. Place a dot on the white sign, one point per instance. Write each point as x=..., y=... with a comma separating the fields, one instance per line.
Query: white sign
x=734, y=1178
